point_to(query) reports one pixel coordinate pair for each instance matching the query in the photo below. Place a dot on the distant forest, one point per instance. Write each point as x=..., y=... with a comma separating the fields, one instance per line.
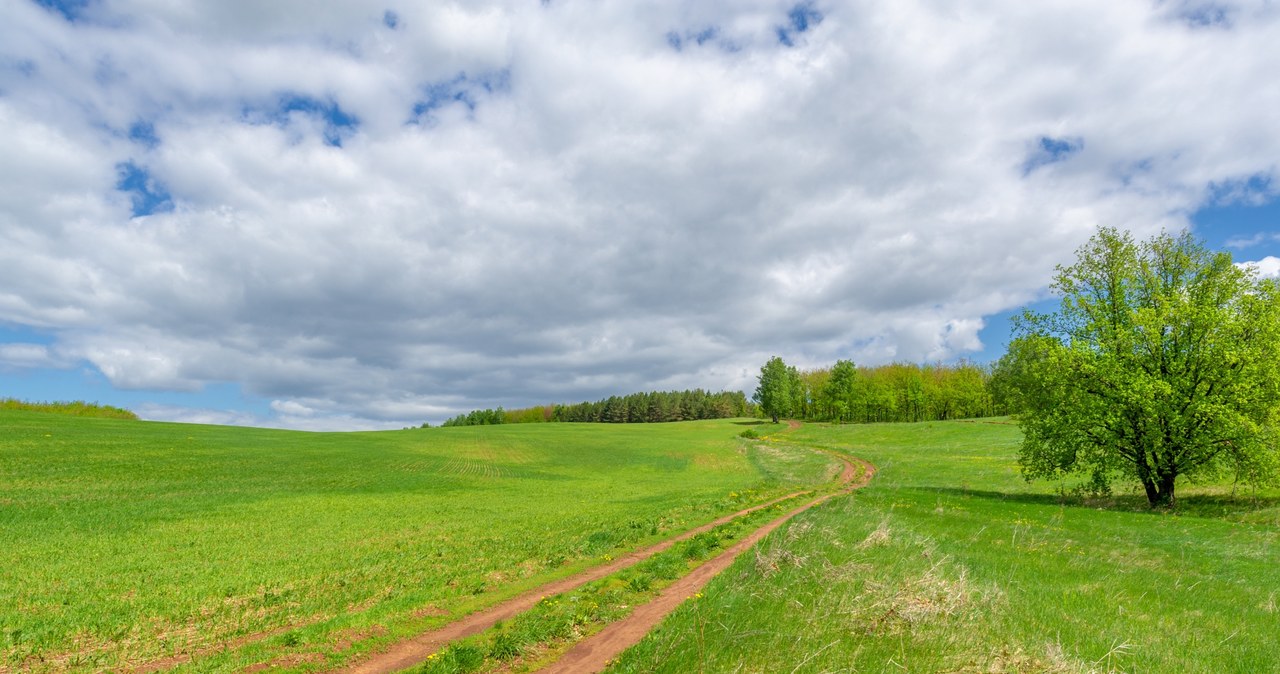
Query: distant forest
x=844, y=393
x=653, y=407
x=886, y=393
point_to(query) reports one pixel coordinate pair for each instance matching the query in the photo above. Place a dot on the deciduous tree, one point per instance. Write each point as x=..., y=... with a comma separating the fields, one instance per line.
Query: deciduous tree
x=778, y=392
x=1163, y=361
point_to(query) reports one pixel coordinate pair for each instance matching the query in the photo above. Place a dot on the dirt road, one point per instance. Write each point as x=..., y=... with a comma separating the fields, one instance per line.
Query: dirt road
x=416, y=650
x=594, y=653
x=413, y=651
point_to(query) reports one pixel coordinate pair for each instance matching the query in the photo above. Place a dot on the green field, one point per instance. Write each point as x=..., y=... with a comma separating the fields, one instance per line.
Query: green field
x=124, y=542
x=950, y=562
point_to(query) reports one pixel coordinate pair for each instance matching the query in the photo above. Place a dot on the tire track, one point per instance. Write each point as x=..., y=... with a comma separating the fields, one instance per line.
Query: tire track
x=594, y=653
x=417, y=649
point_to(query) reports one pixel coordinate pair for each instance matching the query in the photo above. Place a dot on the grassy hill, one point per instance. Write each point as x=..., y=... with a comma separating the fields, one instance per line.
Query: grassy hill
x=949, y=562
x=123, y=542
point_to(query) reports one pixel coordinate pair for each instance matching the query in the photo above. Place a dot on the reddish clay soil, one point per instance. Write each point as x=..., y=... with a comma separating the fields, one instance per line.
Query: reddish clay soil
x=597, y=650
x=416, y=650
x=594, y=653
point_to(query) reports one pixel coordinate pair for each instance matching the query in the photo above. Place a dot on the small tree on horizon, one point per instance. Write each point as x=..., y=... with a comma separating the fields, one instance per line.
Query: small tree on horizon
x=1163, y=361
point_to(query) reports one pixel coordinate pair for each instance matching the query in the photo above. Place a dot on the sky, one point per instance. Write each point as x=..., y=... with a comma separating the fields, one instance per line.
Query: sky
x=345, y=216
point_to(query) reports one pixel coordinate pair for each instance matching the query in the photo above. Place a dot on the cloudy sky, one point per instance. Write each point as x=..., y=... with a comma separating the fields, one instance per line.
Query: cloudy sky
x=337, y=215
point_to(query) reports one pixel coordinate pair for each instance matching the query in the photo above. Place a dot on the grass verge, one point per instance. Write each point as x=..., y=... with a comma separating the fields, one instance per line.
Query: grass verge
x=949, y=562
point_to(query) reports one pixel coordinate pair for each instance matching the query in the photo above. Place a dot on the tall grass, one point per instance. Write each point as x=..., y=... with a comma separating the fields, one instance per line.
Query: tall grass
x=950, y=562
x=75, y=408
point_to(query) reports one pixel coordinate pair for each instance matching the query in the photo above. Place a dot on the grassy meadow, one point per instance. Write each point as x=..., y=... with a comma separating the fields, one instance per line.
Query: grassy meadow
x=124, y=542
x=949, y=562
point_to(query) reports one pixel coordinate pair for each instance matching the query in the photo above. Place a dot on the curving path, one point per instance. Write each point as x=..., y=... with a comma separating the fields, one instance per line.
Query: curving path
x=598, y=649
x=416, y=650
x=593, y=654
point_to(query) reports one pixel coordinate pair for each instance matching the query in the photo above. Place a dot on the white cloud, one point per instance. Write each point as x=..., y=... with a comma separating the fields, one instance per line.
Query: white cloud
x=1242, y=242
x=25, y=356
x=1267, y=267
x=333, y=422
x=580, y=208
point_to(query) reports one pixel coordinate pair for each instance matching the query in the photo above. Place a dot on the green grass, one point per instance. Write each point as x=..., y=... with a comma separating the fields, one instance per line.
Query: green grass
x=544, y=633
x=950, y=562
x=77, y=408
x=123, y=542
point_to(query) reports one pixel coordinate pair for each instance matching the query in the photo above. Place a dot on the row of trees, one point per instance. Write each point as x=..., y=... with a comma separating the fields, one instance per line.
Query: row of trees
x=652, y=407
x=896, y=392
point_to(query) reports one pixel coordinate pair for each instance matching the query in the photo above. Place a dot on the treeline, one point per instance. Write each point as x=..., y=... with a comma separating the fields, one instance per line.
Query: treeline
x=896, y=392
x=75, y=408
x=653, y=407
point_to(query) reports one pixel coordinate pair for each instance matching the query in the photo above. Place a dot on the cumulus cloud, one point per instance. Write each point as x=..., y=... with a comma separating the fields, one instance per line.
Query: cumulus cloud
x=377, y=215
x=1267, y=267
x=22, y=356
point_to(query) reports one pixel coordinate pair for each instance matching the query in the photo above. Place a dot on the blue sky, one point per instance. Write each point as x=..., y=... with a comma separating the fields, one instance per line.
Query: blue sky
x=1248, y=229
x=348, y=216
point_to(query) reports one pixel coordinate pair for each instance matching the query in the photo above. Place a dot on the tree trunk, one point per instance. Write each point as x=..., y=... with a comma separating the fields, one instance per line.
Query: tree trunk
x=1153, y=494
x=1166, y=488
x=1160, y=493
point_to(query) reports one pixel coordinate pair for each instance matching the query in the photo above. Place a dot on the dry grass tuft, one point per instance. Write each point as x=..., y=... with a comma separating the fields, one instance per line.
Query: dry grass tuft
x=768, y=563
x=1018, y=661
x=798, y=529
x=927, y=599
x=877, y=538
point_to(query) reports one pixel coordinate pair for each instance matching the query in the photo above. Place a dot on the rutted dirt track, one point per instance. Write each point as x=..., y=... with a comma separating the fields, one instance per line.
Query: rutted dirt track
x=593, y=653
x=413, y=651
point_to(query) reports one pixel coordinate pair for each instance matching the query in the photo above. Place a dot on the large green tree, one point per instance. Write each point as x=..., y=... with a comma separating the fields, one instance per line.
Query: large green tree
x=1163, y=361
x=841, y=390
x=780, y=391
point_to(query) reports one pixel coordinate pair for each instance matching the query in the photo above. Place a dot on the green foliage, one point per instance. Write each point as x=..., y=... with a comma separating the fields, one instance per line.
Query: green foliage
x=477, y=418
x=122, y=542
x=657, y=407
x=894, y=392
x=1163, y=361
x=840, y=394
x=780, y=393
x=652, y=407
x=77, y=408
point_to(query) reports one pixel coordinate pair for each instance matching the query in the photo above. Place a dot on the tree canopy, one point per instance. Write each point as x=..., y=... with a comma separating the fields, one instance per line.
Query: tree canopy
x=652, y=407
x=1163, y=361
x=884, y=393
x=779, y=390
